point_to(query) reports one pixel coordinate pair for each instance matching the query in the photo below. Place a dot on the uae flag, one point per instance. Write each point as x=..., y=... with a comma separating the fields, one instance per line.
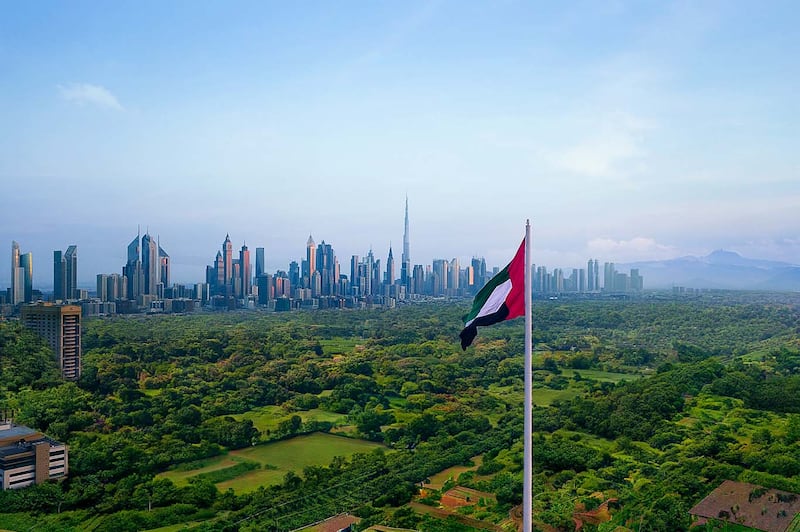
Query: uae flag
x=503, y=298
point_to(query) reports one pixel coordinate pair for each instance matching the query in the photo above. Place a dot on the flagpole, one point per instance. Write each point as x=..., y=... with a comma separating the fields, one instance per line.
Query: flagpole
x=527, y=487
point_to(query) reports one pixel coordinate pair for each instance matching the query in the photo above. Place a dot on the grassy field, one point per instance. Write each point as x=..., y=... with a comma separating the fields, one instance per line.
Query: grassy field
x=602, y=376
x=543, y=396
x=275, y=460
x=268, y=417
x=176, y=528
x=438, y=480
x=339, y=346
x=181, y=477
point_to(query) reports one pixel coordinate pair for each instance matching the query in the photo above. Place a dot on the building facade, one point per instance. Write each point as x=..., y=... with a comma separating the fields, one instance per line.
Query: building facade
x=28, y=457
x=60, y=326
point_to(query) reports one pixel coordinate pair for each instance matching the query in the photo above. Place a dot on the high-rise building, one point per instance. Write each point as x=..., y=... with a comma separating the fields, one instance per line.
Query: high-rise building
x=479, y=267
x=17, y=291
x=59, y=276
x=71, y=272
x=26, y=262
x=294, y=273
x=245, y=273
x=405, y=266
x=259, y=262
x=151, y=266
x=164, y=262
x=60, y=326
x=218, y=281
x=133, y=269
x=369, y=264
x=311, y=259
x=441, y=269
x=418, y=279
x=590, y=269
x=453, y=276
x=609, y=277
x=354, y=276
x=596, y=275
x=102, y=287
x=65, y=274
x=326, y=266
x=636, y=280
x=389, y=279
x=227, y=262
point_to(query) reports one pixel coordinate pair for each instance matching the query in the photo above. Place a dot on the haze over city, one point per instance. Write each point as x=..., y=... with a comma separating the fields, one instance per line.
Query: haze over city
x=624, y=131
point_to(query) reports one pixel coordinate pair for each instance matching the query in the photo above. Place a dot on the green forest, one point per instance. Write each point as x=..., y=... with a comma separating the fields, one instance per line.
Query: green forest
x=276, y=421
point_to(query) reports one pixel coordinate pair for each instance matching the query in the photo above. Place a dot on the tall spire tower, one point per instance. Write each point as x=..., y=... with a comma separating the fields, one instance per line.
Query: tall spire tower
x=405, y=267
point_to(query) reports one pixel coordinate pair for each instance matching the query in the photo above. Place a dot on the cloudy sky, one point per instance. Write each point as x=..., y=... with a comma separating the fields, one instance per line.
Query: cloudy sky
x=623, y=130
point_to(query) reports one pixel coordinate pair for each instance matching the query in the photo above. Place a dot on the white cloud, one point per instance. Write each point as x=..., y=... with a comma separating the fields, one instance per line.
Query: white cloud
x=635, y=249
x=88, y=94
x=614, y=148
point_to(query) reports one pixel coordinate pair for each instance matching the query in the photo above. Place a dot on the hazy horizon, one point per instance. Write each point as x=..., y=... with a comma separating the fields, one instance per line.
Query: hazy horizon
x=624, y=131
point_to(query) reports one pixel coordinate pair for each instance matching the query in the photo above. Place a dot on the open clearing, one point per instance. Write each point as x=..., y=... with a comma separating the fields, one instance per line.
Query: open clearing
x=276, y=459
x=268, y=417
x=602, y=376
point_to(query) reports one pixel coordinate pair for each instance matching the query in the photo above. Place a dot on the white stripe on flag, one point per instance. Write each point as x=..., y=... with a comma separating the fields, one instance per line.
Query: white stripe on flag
x=494, y=301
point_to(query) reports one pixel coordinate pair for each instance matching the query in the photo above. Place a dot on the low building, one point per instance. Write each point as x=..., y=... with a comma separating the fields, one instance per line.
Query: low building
x=29, y=457
x=748, y=505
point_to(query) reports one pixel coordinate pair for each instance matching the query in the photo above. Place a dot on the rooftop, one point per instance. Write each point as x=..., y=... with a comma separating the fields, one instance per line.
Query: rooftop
x=750, y=505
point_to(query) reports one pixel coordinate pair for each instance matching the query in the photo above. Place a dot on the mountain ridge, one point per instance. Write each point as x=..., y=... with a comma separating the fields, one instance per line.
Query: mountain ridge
x=719, y=269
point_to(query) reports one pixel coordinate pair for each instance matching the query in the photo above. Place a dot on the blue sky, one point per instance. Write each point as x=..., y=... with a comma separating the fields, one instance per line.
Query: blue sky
x=624, y=130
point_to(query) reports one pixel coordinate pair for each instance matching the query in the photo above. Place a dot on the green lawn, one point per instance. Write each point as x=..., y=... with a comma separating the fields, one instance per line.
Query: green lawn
x=602, y=376
x=438, y=480
x=268, y=417
x=339, y=346
x=181, y=477
x=546, y=396
x=276, y=459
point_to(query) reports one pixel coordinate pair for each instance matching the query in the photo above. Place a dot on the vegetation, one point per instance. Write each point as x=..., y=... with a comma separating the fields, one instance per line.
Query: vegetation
x=220, y=420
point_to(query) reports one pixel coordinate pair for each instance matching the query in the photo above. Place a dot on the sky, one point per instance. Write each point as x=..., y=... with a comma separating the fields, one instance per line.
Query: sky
x=624, y=131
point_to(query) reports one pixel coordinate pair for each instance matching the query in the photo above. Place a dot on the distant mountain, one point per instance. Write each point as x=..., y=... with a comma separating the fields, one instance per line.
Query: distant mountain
x=719, y=269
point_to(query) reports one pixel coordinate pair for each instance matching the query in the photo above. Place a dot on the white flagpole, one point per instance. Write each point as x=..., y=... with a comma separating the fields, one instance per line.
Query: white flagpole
x=527, y=486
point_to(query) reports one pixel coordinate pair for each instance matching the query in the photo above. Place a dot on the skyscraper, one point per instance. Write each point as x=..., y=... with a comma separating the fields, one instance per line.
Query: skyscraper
x=390, y=268
x=150, y=265
x=441, y=269
x=245, y=273
x=405, y=265
x=609, y=277
x=26, y=262
x=227, y=261
x=369, y=263
x=453, y=275
x=17, y=276
x=354, y=276
x=133, y=269
x=164, y=262
x=325, y=265
x=311, y=257
x=71, y=272
x=479, y=267
x=59, y=276
x=102, y=287
x=259, y=262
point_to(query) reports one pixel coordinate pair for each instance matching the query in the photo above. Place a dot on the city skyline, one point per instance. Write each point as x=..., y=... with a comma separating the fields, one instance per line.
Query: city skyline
x=86, y=276
x=622, y=130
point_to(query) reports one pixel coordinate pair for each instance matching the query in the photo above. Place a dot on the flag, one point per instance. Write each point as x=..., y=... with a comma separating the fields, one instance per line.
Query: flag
x=503, y=298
